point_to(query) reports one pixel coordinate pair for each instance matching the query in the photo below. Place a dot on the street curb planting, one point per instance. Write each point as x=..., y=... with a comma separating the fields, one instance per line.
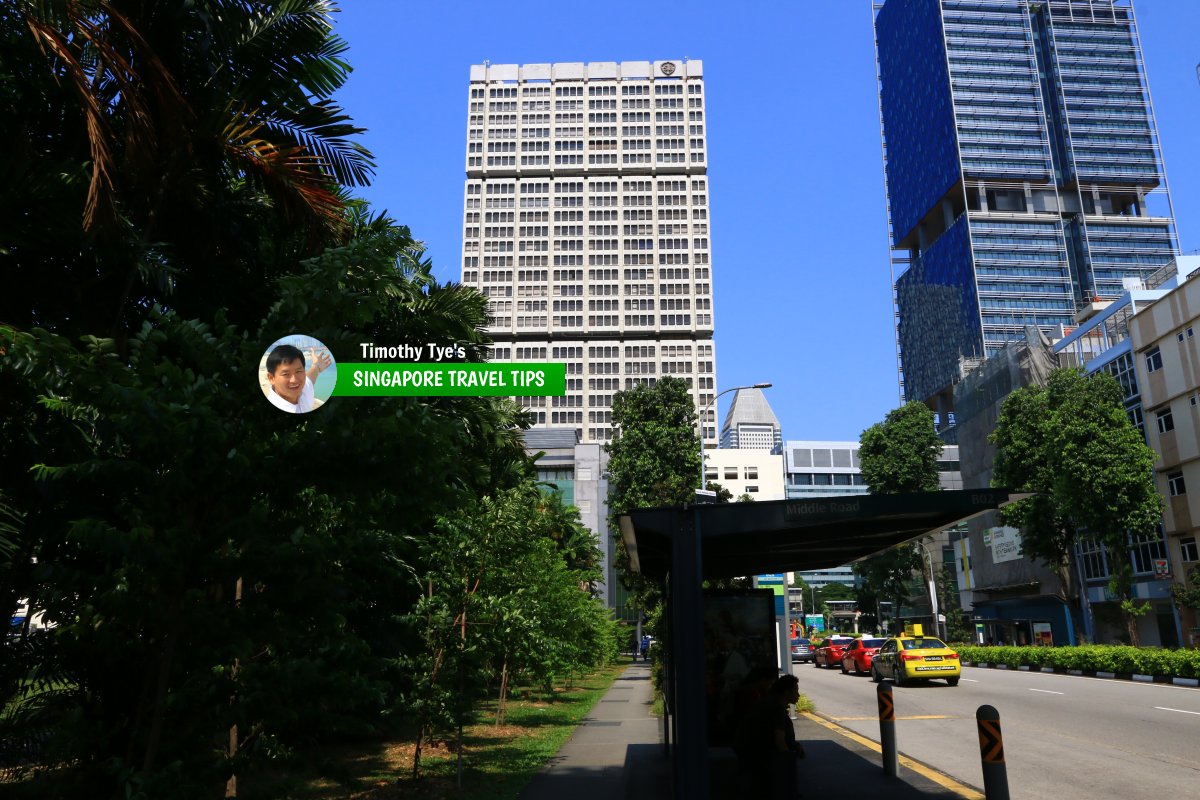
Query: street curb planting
x=1088, y=673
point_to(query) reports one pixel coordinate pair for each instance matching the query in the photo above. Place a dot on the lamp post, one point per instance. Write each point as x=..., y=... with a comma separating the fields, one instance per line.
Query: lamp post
x=933, y=603
x=704, y=419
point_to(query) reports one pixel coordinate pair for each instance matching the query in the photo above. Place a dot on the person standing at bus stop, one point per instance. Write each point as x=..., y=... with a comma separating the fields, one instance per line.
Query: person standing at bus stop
x=766, y=744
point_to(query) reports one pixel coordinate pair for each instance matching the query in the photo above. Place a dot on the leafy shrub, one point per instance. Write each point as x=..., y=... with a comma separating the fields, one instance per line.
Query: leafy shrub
x=1092, y=657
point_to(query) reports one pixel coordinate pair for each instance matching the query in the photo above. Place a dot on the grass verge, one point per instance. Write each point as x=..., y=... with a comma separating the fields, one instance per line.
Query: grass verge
x=498, y=760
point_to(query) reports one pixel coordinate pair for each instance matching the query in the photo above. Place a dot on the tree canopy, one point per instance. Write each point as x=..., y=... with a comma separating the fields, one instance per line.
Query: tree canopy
x=655, y=456
x=901, y=453
x=178, y=198
x=897, y=455
x=184, y=154
x=654, y=460
x=1073, y=444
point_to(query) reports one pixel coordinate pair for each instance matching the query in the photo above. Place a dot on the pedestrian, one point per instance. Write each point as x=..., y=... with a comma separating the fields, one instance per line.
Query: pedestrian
x=766, y=744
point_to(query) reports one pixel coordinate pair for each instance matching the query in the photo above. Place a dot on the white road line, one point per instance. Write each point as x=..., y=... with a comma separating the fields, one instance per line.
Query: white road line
x=1044, y=691
x=970, y=680
x=1180, y=710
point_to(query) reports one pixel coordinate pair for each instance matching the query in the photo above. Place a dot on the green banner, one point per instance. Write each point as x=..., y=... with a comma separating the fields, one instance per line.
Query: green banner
x=451, y=380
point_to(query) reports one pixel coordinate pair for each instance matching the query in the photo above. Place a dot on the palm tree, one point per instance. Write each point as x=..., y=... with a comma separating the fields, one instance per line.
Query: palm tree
x=183, y=154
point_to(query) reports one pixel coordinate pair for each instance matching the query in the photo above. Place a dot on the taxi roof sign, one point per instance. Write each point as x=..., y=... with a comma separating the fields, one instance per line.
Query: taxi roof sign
x=914, y=629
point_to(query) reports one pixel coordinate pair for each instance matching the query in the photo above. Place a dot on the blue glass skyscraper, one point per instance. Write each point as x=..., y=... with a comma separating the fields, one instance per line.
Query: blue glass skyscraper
x=1023, y=172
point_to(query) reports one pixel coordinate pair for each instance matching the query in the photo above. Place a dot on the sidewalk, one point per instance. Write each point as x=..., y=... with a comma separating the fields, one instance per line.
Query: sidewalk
x=616, y=754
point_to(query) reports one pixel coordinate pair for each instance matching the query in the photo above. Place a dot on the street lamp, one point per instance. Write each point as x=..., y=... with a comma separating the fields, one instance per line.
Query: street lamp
x=933, y=603
x=704, y=419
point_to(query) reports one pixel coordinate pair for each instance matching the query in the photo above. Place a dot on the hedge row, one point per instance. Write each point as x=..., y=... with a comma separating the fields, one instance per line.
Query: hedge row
x=1093, y=657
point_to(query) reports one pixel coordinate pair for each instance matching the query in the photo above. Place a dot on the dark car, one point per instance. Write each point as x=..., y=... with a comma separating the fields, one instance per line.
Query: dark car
x=802, y=650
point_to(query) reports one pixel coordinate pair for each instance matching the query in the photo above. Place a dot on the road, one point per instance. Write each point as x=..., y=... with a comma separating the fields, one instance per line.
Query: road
x=1065, y=737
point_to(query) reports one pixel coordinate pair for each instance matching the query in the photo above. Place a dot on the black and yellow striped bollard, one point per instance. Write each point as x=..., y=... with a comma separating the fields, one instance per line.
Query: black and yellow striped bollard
x=991, y=751
x=887, y=728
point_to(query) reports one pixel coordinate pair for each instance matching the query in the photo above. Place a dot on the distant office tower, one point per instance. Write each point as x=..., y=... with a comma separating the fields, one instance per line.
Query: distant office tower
x=586, y=224
x=750, y=424
x=1023, y=172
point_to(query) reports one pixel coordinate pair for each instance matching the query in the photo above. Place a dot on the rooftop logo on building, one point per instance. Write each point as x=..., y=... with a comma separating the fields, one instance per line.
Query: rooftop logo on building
x=667, y=68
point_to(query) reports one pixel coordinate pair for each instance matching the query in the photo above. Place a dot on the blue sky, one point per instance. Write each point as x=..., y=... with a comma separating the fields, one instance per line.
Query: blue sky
x=799, y=236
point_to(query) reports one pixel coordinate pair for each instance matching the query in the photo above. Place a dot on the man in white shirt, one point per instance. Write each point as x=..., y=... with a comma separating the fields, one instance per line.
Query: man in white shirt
x=291, y=383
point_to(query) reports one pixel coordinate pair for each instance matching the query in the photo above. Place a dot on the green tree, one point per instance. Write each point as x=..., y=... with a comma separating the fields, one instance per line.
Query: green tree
x=897, y=455
x=1187, y=594
x=653, y=461
x=500, y=599
x=1072, y=443
x=901, y=453
x=152, y=486
x=654, y=456
x=723, y=494
x=837, y=591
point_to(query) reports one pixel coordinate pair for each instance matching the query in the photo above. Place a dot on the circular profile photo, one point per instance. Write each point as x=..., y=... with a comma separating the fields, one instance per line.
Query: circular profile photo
x=297, y=374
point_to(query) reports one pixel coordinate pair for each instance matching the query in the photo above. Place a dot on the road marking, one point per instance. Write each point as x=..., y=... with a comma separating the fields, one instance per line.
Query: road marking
x=860, y=719
x=969, y=680
x=1044, y=691
x=945, y=781
x=1180, y=710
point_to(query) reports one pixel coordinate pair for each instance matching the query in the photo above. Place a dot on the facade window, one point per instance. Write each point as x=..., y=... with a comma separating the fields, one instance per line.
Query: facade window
x=1187, y=549
x=1175, y=484
x=731, y=473
x=1153, y=360
x=1091, y=556
x=1165, y=421
x=751, y=473
x=752, y=489
x=1144, y=549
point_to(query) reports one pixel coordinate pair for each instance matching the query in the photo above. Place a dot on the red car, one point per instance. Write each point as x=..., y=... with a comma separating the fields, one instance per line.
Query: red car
x=829, y=654
x=858, y=655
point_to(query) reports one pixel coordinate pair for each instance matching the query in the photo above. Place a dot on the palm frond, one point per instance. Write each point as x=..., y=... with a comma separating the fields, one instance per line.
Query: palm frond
x=322, y=128
x=100, y=190
x=290, y=174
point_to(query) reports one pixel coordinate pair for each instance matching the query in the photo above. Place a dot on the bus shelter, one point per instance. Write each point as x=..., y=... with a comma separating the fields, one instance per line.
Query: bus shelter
x=680, y=547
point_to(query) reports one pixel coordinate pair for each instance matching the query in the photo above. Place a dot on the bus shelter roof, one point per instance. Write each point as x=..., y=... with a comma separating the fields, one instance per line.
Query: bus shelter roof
x=756, y=538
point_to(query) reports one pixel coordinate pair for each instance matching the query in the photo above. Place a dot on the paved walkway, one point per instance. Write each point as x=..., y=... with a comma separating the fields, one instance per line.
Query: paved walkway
x=616, y=754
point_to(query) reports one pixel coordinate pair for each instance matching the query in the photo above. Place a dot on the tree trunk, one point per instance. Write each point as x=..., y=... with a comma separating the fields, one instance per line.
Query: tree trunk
x=1072, y=594
x=458, y=748
x=162, y=682
x=416, y=770
x=500, y=704
x=1118, y=560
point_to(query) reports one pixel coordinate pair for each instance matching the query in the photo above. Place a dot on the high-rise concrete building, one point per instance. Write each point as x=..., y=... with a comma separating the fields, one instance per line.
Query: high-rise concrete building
x=750, y=424
x=585, y=222
x=1024, y=176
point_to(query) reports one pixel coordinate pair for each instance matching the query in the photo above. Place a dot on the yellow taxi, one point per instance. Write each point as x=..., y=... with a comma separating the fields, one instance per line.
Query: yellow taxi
x=913, y=656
